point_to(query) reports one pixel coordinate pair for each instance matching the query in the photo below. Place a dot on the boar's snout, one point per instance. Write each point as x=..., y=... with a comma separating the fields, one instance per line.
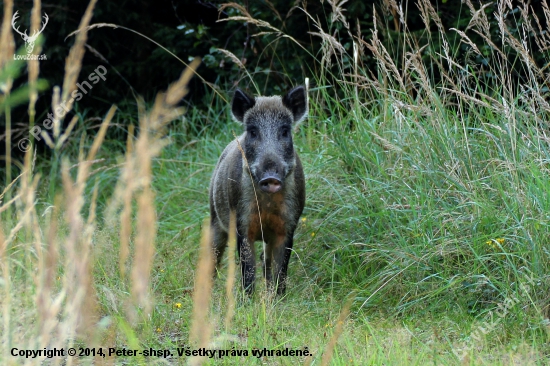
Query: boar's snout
x=271, y=183
x=270, y=172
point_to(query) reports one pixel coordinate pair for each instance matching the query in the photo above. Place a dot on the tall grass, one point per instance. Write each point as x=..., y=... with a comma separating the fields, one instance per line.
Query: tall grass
x=442, y=204
x=427, y=202
x=50, y=296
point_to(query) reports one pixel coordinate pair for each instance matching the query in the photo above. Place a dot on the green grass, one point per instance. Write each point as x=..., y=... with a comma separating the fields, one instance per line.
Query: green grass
x=402, y=231
x=426, y=212
x=405, y=233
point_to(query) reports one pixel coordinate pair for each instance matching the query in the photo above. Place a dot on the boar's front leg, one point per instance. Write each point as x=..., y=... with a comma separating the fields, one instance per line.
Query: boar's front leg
x=267, y=260
x=248, y=262
x=281, y=256
x=219, y=241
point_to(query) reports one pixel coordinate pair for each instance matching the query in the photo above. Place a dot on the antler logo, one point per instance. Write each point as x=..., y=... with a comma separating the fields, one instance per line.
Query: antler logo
x=29, y=40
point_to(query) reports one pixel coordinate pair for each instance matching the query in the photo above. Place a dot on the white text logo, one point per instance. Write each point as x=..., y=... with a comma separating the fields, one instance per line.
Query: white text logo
x=29, y=40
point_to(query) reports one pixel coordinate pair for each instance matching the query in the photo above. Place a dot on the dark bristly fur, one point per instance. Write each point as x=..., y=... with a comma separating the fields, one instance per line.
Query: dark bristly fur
x=270, y=196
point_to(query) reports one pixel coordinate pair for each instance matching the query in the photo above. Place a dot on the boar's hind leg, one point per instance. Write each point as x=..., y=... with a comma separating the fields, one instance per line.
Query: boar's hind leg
x=281, y=255
x=219, y=242
x=248, y=262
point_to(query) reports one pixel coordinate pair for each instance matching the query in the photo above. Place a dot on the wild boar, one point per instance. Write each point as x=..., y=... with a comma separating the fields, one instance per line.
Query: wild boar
x=266, y=187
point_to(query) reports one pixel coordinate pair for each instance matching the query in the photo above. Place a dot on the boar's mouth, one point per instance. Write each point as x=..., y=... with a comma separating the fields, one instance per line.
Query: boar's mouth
x=271, y=183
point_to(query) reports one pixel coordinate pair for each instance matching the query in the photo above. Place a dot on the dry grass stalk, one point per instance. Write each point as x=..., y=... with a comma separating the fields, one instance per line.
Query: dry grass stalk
x=275, y=11
x=67, y=132
x=338, y=12
x=6, y=190
x=73, y=63
x=80, y=308
x=246, y=17
x=34, y=65
x=47, y=305
x=256, y=22
x=28, y=219
x=8, y=204
x=25, y=203
x=546, y=11
x=232, y=57
x=464, y=38
x=239, y=7
x=199, y=333
x=423, y=6
x=385, y=61
x=56, y=99
x=77, y=278
x=390, y=8
x=428, y=12
x=480, y=24
x=44, y=284
x=144, y=249
x=6, y=301
x=457, y=79
x=329, y=45
x=148, y=145
x=542, y=38
x=7, y=47
x=125, y=216
x=329, y=349
x=7, y=44
x=479, y=18
x=76, y=296
x=414, y=64
x=231, y=267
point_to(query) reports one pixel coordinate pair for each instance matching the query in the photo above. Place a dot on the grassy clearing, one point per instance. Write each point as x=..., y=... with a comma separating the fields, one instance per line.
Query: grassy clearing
x=427, y=213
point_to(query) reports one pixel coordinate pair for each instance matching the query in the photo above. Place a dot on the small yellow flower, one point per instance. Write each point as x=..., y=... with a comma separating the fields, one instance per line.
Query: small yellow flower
x=178, y=305
x=312, y=235
x=494, y=242
x=304, y=219
x=158, y=330
x=162, y=270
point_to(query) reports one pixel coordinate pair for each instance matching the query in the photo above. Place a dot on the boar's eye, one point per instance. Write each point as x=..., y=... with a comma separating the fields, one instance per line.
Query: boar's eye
x=285, y=132
x=252, y=132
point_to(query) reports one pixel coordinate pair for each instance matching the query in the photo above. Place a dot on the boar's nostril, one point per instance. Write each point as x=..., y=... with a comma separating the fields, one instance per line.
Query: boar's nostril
x=270, y=185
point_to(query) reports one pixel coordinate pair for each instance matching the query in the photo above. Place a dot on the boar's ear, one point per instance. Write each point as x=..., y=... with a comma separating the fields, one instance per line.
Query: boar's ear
x=240, y=104
x=296, y=101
